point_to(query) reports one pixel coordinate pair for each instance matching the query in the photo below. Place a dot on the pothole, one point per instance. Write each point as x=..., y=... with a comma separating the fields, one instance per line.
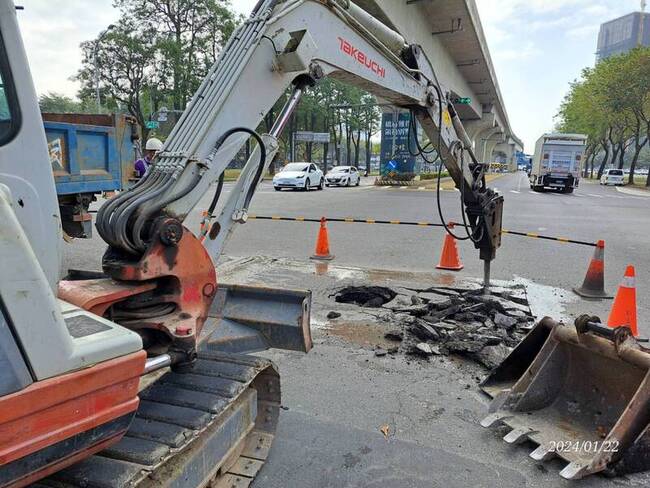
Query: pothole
x=365, y=296
x=441, y=321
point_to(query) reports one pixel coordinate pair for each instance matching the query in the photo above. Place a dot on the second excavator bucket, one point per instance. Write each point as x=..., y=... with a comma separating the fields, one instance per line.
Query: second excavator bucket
x=585, y=398
x=505, y=375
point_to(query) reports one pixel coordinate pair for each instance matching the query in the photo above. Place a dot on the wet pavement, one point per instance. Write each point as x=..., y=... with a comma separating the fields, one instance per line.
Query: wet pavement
x=356, y=419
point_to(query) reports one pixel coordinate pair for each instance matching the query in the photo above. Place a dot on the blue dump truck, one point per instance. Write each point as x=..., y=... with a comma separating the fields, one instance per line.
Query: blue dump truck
x=90, y=155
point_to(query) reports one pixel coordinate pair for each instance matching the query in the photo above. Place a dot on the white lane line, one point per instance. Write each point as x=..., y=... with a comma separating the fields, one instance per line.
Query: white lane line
x=579, y=195
x=515, y=191
x=594, y=195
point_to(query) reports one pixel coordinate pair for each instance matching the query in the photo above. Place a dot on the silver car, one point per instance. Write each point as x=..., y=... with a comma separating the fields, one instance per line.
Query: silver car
x=343, y=176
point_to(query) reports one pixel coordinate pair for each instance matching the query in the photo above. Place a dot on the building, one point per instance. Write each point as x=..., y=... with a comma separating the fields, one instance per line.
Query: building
x=621, y=35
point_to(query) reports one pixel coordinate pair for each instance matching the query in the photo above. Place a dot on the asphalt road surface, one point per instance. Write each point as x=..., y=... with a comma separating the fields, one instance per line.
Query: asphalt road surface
x=593, y=212
x=338, y=396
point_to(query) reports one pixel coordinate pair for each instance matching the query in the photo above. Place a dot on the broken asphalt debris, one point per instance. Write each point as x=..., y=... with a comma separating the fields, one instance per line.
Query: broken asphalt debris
x=448, y=321
x=333, y=315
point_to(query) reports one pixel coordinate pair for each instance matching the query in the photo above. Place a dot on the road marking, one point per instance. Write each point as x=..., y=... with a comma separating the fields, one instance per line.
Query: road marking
x=594, y=195
x=515, y=191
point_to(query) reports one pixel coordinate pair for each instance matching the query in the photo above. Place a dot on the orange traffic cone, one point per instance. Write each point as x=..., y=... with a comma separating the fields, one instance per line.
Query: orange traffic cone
x=323, y=243
x=450, y=259
x=594, y=284
x=623, y=311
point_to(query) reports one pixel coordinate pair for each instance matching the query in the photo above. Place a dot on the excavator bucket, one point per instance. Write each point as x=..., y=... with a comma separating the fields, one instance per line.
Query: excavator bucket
x=504, y=376
x=585, y=398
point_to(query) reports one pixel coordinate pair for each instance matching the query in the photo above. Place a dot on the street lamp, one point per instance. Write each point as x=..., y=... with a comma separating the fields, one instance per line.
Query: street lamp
x=96, y=63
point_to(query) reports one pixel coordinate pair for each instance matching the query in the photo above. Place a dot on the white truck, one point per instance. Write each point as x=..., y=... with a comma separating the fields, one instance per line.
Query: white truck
x=557, y=162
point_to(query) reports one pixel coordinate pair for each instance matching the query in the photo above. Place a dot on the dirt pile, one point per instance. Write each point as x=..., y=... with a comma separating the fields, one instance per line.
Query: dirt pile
x=444, y=320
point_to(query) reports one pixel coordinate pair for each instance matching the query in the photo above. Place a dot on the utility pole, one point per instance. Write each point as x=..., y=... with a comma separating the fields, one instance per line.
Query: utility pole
x=641, y=23
x=96, y=63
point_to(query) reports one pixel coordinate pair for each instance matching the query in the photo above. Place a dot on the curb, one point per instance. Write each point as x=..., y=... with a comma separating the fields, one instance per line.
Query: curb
x=633, y=191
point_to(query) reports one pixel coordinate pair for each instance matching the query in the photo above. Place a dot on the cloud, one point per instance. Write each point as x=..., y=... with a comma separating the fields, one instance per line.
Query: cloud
x=522, y=52
x=583, y=32
x=52, y=32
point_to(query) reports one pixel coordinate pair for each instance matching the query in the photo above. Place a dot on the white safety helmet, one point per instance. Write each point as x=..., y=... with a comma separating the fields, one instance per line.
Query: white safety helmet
x=154, y=144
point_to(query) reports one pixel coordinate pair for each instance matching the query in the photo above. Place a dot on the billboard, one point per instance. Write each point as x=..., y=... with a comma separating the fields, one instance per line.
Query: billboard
x=395, y=158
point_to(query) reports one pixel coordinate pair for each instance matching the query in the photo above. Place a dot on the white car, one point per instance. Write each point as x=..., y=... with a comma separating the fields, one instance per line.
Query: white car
x=343, y=176
x=612, y=177
x=302, y=176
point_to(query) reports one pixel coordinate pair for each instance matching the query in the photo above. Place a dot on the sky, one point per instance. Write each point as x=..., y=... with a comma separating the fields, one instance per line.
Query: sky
x=537, y=46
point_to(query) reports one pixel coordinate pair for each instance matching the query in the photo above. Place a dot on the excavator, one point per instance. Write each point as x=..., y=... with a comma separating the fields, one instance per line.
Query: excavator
x=141, y=375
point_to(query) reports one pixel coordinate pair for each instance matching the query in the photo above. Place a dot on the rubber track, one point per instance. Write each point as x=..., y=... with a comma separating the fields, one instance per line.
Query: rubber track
x=176, y=414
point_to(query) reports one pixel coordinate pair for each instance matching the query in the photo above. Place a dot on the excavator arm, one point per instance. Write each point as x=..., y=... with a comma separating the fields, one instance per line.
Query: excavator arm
x=283, y=44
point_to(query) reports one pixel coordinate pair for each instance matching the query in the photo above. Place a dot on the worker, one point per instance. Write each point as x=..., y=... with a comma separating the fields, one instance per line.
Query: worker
x=152, y=148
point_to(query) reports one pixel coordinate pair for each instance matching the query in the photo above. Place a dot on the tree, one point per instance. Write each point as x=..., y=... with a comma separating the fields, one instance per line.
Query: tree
x=611, y=104
x=57, y=103
x=122, y=61
x=189, y=35
x=157, y=53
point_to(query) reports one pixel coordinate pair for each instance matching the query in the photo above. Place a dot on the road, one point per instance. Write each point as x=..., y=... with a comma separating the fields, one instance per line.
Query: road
x=337, y=397
x=593, y=212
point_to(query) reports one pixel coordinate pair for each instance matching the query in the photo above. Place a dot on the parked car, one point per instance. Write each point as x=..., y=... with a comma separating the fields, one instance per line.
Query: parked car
x=301, y=176
x=612, y=177
x=343, y=176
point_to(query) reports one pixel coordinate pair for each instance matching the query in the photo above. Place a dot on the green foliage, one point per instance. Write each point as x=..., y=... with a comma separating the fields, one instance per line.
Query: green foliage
x=156, y=54
x=57, y=103
x=159, y=52
x=611, y=104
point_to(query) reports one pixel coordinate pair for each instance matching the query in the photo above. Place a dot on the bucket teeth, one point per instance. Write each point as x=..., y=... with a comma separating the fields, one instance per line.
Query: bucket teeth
x=542, y=453
x=573, y=471
x=519, y=435
x=493, y=419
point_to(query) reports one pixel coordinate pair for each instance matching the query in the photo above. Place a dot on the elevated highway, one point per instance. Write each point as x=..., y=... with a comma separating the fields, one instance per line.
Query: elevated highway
x=451, y=34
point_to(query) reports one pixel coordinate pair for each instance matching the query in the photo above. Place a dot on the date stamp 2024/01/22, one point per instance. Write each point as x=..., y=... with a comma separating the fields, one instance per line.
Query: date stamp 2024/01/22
x=584, y=446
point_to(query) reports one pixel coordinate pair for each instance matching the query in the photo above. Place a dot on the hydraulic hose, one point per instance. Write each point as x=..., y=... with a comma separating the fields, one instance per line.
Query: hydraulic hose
x=136, y=231
x=105, y=212
x=123, y=218
x=258, y=173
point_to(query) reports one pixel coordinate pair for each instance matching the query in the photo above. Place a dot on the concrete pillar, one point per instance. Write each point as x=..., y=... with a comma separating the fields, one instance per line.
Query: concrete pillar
x=486, y=141
x=508, y=148
x=475, y=127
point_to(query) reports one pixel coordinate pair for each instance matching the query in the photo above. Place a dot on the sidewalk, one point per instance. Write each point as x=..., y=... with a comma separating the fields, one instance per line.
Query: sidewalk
x=446, y=183
x=636, y=191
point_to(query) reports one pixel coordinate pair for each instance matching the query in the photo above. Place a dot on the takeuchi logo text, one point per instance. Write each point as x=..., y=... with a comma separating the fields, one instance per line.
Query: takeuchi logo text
x=361, y=57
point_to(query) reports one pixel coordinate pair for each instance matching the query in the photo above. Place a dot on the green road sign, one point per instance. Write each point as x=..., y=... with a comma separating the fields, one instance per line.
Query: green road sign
x=462, y=101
